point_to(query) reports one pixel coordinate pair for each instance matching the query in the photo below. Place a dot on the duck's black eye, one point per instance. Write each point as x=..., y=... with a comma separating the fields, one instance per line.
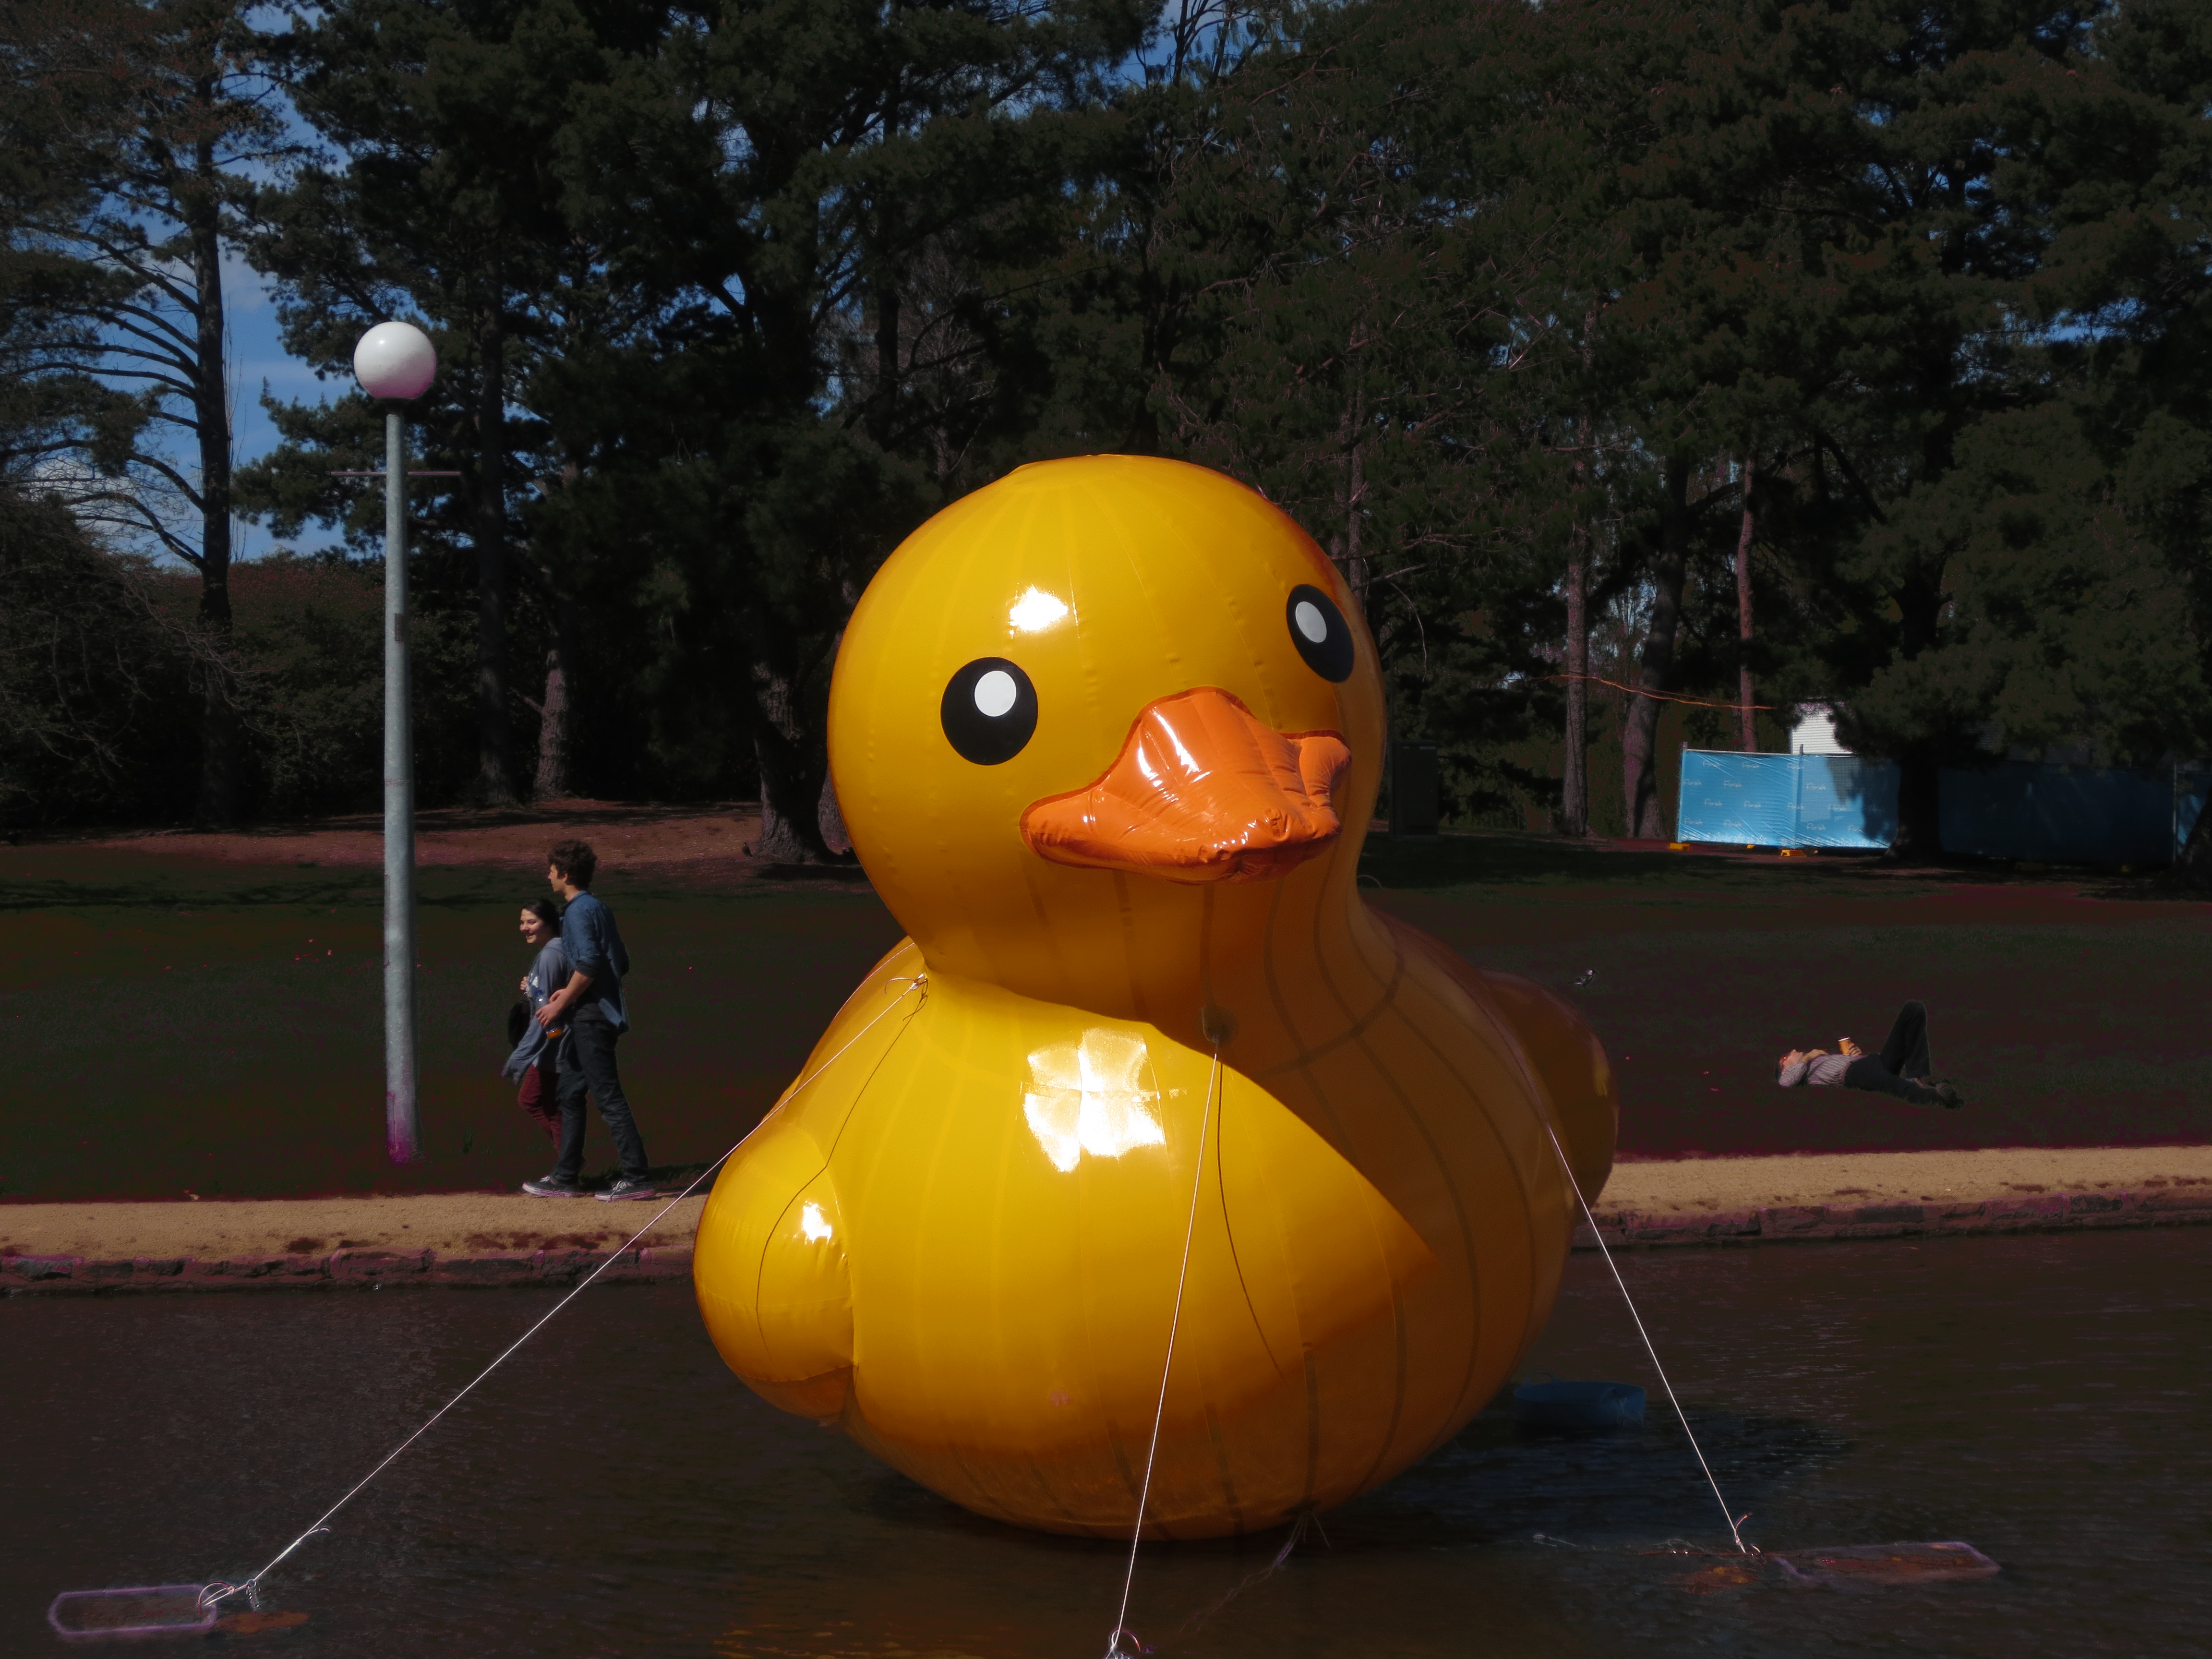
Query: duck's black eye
x=990, y=710
x=1318, y=630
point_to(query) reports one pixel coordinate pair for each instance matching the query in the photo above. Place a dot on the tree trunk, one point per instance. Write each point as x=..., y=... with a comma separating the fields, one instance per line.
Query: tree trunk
x=552, y=782
x=1355, y=492
x=1639, y=741
x=1919, y=805
x=1743, y=617
x=887, y=370
x=831, y=818
x=216, y=807
x=2193, y=865
x=1574, y=788
x=1574, y=780
x=884, y=416
x=791, y=779
x=495, y=771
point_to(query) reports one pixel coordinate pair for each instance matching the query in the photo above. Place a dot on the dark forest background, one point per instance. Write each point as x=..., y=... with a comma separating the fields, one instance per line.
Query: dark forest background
x=1849, y=350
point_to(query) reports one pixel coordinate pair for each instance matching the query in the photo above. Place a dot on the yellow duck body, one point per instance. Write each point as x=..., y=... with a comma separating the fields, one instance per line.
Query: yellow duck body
x=1142, y=1014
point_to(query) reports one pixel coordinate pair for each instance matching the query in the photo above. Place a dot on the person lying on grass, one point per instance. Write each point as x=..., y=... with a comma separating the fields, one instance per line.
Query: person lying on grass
x=1902, y=1068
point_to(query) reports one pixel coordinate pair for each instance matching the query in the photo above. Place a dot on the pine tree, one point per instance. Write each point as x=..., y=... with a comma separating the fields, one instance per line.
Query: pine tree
x=158, y=113
x=813, y=196
x=448, y=202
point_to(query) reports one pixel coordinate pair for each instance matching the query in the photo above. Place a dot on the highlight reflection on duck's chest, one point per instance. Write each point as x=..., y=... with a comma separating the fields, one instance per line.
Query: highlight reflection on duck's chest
x=1047, y=1101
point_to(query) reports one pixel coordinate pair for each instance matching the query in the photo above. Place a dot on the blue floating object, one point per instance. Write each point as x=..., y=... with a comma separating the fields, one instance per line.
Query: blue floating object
x=1560, y=1405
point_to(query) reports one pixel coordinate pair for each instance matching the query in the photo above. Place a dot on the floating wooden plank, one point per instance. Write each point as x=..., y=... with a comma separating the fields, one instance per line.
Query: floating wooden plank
x=1855, y=1566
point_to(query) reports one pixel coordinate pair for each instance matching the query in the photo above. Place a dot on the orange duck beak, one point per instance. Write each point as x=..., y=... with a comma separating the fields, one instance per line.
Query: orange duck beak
x=1202, y=792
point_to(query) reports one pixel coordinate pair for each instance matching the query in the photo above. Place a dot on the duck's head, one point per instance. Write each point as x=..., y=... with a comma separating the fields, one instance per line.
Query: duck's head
x=1098, y=723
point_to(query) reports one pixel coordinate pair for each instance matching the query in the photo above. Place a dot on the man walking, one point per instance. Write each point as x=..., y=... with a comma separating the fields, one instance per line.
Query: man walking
x=590, y=1007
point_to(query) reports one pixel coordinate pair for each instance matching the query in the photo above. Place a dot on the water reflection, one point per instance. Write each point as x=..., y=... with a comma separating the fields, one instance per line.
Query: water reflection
x=615, y=1492
x=1500, y=1482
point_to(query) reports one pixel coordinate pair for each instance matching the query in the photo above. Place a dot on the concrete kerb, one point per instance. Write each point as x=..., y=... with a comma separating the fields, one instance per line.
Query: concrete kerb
x=344, y=1269
x=1623, y=1229
x=1626, y=1228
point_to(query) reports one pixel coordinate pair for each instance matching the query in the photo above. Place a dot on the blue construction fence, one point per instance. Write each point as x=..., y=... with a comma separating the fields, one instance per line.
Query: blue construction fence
x=2009, y=809
x=1786, y=801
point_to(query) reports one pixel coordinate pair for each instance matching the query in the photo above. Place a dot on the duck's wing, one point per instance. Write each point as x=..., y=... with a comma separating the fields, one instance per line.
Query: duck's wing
x=1563, y=1054
x=772, y=1280
x=769, y=1266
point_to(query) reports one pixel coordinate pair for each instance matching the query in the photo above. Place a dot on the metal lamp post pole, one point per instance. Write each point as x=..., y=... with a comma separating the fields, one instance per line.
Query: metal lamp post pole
x=395, y=364
x=403, y=1133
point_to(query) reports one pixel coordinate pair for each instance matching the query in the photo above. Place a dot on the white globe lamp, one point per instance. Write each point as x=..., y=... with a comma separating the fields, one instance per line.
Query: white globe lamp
x=395, y=362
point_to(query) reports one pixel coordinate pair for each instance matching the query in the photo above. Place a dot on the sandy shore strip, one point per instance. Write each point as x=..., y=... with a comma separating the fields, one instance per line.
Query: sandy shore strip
x=1889, y=1194
x=467, y=1238
x=2003, y=1172
x=488, y=1238
x=452, y=1224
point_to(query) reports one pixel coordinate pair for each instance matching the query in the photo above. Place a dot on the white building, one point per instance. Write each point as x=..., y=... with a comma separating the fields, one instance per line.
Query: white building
x=1814, y=732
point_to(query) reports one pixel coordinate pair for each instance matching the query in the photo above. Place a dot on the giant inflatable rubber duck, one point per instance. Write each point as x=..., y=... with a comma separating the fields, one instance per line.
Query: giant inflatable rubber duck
x=1107, y=735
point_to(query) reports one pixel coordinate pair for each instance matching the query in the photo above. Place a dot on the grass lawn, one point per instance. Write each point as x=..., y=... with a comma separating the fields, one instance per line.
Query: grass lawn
x=2070, y=1009
x=181, y=1026
x=219, y=1029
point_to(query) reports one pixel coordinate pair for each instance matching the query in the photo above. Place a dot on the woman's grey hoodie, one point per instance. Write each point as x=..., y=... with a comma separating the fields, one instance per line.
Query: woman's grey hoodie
x=547, y=975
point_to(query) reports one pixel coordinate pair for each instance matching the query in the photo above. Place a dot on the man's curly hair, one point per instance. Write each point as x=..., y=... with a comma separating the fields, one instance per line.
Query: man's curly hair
x=576, y=861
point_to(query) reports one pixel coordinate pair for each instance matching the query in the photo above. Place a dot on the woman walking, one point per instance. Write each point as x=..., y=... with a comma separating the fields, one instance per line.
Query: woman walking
x=537, y=1050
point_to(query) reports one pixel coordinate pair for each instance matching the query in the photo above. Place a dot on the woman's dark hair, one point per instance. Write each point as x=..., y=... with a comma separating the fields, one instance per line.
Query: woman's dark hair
x=575, y=862
x=547, y=911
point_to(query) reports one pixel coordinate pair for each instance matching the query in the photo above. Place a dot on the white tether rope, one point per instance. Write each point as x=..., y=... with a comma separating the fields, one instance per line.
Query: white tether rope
x=217, y=1592
x=1734, y=1522
x=1114, y=1649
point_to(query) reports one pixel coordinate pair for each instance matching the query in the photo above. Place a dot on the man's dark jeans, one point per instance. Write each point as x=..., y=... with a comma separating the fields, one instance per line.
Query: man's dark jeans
x=1902, y=1063
x=590, y=1067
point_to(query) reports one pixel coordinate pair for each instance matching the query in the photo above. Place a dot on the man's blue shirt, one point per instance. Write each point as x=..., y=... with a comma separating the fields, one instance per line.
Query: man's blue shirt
x=587, y=929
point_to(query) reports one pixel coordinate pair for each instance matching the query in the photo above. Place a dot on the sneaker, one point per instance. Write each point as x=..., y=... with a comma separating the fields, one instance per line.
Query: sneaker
x=627, y=1188
x=552, y=1187
x=1947, y=1091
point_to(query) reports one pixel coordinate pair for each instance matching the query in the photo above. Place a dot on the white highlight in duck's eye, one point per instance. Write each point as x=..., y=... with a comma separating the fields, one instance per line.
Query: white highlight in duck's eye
x=1090, y=1097
x=1034, y=611
x=812, y=1223
x=1310, y=621
x=994, y=693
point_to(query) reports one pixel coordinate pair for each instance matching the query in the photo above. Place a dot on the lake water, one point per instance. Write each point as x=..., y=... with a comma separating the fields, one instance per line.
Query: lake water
x=614, y=1492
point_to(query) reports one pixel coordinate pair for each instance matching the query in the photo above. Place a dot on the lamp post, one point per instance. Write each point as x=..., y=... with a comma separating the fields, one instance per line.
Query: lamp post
x=395, y=364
